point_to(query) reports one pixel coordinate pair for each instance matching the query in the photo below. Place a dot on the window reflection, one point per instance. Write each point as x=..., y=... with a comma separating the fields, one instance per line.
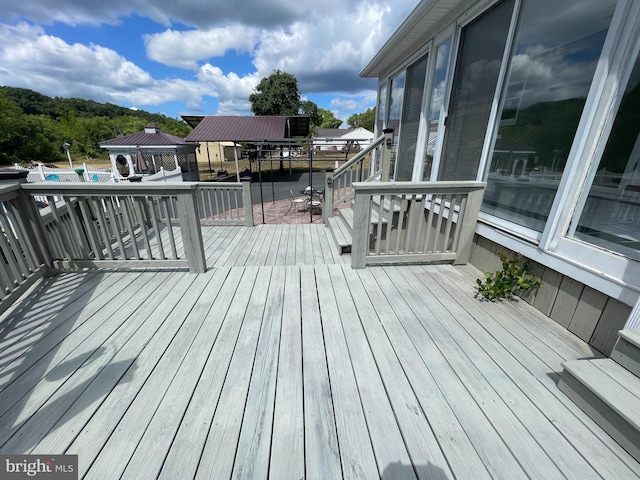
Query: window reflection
x=411, y=120
x=436, y=110
x=395, y=110
x=611, y=214
x=556, y=53
x=482, y=45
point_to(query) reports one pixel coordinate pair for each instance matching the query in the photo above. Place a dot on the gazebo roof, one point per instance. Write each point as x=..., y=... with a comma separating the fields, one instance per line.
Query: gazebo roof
x=246, y=128
x=151, y=137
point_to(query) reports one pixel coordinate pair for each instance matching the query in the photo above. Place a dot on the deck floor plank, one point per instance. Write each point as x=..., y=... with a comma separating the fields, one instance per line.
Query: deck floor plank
x=219, y=451
x=113, y=369
x=516, y=354
x=322, y=455
x=414, y=392
x=132, y=424
x=282, y=362
x=356, y=451
x=386, y=437
x=493, y=450
x=287, y=446
x=526, y=420
x=184, y=456
x=66, y=344
x=154, y=445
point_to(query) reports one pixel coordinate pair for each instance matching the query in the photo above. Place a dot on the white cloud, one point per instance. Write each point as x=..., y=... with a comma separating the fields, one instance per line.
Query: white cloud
x=325, y=44
x=185, y=49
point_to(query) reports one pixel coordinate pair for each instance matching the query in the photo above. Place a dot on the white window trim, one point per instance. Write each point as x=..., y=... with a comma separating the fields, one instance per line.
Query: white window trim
x=609, y=272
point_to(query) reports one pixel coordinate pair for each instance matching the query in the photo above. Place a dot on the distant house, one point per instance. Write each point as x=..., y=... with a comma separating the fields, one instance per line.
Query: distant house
x=342, y=139
x=158, y=149
x=539, y=99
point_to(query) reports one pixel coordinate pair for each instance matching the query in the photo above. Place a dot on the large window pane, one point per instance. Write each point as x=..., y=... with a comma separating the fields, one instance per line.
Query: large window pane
x=436, y=104
x=381, y=112
x=611, y=214
x=556, y=52
x=395, y=110
x=414, y=89
x=482, y=46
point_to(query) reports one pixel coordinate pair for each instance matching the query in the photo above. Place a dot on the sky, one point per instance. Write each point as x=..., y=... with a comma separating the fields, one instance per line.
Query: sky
x=195, y=57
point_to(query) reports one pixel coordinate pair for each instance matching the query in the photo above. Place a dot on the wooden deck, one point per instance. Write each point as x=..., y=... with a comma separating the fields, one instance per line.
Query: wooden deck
x=282, y=362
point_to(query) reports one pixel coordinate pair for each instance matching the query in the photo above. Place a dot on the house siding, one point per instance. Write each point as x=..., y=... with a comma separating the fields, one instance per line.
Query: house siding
x=591, y=315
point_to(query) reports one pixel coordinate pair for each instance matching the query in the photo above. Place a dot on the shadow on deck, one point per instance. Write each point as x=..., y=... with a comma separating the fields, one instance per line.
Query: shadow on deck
x=283, y=362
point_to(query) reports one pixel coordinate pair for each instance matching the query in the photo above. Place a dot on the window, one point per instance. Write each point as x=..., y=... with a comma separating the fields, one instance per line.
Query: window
x=381, y=111
x=414, y=91
x=554, y=58
x=395, y=109
x=610, y=216
x=436, y=105
x=482, y=45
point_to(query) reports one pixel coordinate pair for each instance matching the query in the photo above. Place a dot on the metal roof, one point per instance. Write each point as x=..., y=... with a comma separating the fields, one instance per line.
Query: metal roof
x=151, y=136
x=247, y=128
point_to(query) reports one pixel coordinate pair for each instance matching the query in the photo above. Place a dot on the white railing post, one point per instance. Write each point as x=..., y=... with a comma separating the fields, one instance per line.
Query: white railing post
x=247, y=203
x=327, y=208
x=361, y=224
x=468, y=225
x=191, y=231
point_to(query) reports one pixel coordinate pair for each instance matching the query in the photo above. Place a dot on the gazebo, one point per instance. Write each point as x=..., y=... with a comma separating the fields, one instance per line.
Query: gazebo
x=147, y=151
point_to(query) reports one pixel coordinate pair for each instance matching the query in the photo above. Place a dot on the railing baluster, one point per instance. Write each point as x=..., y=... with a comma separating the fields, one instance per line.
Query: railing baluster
x=156, y=228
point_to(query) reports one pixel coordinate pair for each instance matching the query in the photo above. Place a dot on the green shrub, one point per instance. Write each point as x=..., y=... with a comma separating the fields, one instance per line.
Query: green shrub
x=513, y=280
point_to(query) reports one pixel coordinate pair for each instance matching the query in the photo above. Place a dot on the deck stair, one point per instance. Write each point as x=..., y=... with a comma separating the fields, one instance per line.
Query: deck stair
x=608, y=390
x=341, y=225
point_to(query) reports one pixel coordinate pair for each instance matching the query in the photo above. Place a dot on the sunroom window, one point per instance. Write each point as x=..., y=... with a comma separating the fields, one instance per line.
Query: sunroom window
x=556, y=51
x=610, y=216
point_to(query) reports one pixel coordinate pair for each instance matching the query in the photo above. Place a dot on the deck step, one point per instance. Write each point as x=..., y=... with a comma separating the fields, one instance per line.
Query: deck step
x=341, y=234
x=627, y=350
x=609, y=394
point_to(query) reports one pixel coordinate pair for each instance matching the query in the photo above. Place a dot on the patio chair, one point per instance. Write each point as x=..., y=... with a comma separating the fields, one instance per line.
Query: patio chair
x=298, y=201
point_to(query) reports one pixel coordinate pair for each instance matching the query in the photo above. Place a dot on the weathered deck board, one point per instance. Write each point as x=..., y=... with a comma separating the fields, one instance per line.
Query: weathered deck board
x=292, y=369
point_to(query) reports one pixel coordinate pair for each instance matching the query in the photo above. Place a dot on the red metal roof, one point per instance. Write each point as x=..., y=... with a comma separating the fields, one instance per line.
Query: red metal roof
x=241, y=129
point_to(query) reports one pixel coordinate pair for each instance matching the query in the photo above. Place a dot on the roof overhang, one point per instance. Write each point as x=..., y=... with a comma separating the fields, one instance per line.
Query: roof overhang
x=249, y=129
x=406, y=39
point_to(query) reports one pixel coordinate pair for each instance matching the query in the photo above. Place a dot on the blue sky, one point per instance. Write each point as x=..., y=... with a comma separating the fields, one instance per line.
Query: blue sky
x=195, y=56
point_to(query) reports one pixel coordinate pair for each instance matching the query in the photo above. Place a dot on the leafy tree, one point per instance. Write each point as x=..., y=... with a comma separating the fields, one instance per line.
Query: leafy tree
x=328, y=119
x=276, y=94
x=365, y=120
x=310, y=108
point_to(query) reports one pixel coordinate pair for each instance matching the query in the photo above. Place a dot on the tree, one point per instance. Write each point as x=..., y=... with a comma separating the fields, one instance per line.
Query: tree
x=328, y=119
x=310, y=108
x=276, y=94
x=365, y=120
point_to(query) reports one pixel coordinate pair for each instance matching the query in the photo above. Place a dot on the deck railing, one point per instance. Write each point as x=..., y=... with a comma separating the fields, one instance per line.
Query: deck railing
x=338, y=182
x=137, y=225
x=414, y=221
x=24, y=259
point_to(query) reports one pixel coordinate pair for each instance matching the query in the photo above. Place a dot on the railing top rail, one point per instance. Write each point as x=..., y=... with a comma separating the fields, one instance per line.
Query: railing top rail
x=136, y=189
x=377, y=188
x=7, y=190
x=363, y=153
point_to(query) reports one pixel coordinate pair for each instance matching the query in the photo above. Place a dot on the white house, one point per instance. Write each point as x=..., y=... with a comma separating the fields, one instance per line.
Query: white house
x=342, y=139
x=541, y=100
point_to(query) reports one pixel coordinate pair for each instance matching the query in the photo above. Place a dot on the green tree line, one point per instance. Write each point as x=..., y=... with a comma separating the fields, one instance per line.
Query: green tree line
x=33, y=126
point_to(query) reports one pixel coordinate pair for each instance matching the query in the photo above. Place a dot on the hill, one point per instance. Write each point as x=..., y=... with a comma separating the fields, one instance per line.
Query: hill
x=33, y=126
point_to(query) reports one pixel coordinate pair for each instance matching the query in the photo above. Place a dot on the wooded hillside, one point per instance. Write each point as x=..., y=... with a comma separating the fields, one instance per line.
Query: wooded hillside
x=33, y=126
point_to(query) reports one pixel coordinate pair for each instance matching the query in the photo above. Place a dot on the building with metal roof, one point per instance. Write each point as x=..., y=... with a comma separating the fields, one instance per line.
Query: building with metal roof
x=159, y=149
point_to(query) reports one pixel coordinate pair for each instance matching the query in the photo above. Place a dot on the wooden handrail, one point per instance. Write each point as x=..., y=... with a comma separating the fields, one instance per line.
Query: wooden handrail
x=414, y=221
